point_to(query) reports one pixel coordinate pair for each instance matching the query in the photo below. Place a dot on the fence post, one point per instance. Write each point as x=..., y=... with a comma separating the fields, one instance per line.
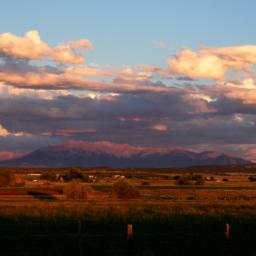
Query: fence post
x=129, y=231
x=227, y=232
x=129, y=238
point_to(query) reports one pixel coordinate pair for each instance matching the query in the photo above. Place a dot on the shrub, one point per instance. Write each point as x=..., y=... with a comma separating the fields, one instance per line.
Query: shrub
x=145, y=183
x=190, y=179
x=73, y=175
x=75, y=190
x=195, y=177
x=199, y=180
x=212, y=178
x=124, y=190
x=252, y=178
x=49, y=175
x=183, y=180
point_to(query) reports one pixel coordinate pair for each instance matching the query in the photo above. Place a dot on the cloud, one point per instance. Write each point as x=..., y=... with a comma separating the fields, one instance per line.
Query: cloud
x=4, y=133
x=82, y=44
x=137, y=119
x=142, y=75
x=73, y=80
x=7, y=91
x=159, y=127
x=87, y=71
x=244, y=91
x=22, y=65
x=138, y=73
x=69, y=53
x=31, y=47
x=65, y=54
x=7, y=155
x=213, y=63
x=70, y=132
x=45, y=102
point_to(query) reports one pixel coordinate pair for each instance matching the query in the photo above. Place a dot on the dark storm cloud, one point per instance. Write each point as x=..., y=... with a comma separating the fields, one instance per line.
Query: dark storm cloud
x=128, y=119
x=226, y=106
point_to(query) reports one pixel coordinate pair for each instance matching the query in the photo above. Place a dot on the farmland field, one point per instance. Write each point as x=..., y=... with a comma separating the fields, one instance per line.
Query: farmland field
x=168, y=219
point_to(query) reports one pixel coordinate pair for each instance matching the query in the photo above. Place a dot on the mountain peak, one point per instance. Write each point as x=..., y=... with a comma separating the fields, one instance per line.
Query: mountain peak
x=118, y=150
x=106, y=153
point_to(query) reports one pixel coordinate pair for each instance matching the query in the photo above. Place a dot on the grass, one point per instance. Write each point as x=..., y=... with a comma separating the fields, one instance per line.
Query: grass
x=159, y=229
x=167, y=220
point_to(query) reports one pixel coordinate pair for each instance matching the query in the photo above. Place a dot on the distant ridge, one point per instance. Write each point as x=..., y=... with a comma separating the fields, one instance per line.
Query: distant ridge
x=105, y=153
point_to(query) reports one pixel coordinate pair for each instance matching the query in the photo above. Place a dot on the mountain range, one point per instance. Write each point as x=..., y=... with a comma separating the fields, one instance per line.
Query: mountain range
x=104, y=153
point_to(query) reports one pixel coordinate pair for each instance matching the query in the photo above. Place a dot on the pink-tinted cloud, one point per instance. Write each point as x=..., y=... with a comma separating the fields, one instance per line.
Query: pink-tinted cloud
x=7, y=155
x=31, y=47
x=4, y=133
x=159, y=127
x=71, y=132
x=8, y=91
x=82, y=44
x=27, y=74
x=132, y=119
x=244, y=91
x=213, y=63
x=72, y=80
x=141, y=74
x=87, y=71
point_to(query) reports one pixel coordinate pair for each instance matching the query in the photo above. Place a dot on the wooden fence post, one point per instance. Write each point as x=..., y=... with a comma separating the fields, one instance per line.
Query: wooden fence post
x=129, y=238
x=129, y=231
x=227, y=232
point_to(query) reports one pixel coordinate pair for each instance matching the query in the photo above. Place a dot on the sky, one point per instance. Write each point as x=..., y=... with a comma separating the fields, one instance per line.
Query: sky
x=157, y=74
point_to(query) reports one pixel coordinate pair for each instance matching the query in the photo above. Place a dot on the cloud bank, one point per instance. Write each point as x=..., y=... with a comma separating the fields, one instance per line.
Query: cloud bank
x=201, y=100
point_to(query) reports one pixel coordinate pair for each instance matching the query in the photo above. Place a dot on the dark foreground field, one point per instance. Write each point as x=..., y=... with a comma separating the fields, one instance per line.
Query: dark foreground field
x=102, y=230
x=179, y=236
x=168, y=218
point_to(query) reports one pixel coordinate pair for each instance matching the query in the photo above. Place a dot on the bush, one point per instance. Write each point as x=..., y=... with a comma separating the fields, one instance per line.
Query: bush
x=183, y=180
x=49, y=175
x=200, y=181
x=6, y=178
x=252, y=178
x=190, y=179
x=73, y=175
x=123, y=190
x=75, y=190
x=145, y=183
